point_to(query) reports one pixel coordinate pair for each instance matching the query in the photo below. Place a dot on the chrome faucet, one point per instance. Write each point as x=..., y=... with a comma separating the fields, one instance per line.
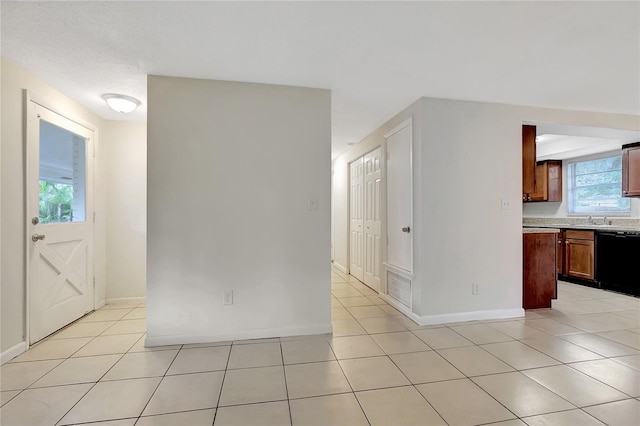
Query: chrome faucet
x=590, y=220
x=605, y=221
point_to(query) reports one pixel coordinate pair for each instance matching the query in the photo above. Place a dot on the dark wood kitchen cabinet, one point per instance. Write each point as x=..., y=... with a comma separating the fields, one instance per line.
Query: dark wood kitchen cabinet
x=539, y=270
x=528, y=161
x=631, y=170
x=548, y=183
x=579, y=250
x=560, y=253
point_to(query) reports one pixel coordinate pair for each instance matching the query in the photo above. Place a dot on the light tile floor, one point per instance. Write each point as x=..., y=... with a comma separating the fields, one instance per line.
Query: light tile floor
x=576, y=364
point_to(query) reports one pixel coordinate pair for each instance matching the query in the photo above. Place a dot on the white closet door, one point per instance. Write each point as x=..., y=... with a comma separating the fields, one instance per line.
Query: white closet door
x=356, y=254
x=399, y=198
x=372, y=221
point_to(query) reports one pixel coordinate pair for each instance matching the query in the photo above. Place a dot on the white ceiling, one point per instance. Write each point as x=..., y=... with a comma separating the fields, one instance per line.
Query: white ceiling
x=559, y=142
x=376, y=57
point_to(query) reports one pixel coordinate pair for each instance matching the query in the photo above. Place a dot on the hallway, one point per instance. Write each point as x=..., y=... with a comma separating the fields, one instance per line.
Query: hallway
x=576, y=364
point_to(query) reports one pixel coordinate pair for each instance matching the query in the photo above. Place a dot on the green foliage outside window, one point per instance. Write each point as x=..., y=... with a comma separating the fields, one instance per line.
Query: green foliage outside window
x=56, y=200
x=596, y=186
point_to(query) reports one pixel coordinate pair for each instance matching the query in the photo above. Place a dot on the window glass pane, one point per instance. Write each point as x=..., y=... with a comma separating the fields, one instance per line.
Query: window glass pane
x=62, y=175
x=596, y=187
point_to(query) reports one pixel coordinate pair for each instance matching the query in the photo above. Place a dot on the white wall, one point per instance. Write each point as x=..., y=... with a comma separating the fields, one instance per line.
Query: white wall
x=466, y=158
x=340, y=186
x=13, y=218
x=126, y=216
x=230, y=169
x=471, y=159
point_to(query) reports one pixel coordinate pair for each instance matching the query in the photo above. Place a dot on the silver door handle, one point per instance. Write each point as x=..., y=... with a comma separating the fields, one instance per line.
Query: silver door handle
x=36, y=237
x=406, y=229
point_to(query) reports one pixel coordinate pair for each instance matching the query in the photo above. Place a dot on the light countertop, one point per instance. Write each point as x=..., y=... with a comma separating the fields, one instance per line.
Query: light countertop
x=540, y=230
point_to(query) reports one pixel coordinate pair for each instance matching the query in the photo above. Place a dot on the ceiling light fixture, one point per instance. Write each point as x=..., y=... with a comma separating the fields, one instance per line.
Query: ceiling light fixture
x=121, y=103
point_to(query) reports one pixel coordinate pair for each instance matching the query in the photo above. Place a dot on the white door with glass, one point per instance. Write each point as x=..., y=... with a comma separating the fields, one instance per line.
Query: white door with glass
x=372, y=220
x=356, y=223
x=59, y=221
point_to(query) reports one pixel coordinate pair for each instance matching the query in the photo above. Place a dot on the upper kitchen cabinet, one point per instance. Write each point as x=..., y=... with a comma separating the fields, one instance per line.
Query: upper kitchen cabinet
x=528, y=161
x=631, y=170
x=548, y=183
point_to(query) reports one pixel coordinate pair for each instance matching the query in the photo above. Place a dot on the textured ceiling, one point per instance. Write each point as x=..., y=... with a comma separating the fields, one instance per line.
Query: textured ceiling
x=376, y=57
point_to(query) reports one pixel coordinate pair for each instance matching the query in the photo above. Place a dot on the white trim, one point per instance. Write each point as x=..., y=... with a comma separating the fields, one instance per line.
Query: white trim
x=406, y=123
x=177, y=339
x=399, y=271
x=49, y=103
x=340, y=267
x=31, y=102
x=470, y=316
x=123, y=300
x=13, y=352
x=402, y=308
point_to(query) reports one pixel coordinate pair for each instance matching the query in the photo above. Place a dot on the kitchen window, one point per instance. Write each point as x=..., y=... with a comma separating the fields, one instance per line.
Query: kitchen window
x=595, y=186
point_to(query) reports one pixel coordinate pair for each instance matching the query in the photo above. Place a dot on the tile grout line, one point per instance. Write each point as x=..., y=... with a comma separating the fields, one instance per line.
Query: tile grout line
x=286, y=385
x=95, y=383
x=349, y=383
x=224, y=376
x=159, y=382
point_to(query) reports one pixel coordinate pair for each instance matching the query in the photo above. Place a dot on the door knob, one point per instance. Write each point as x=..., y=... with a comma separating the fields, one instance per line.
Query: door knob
x=36, y=237
x=406, y=229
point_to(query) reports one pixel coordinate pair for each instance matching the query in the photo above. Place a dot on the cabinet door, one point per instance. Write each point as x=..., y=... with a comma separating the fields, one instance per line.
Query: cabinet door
x=554, y=181
x=541, y=193
x=631, y=172
x=560, y=253
x=539, y=270
x=528, y=161
x=579, y=259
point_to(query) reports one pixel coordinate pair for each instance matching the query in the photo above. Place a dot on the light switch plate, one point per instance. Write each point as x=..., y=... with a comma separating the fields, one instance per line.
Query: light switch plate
x=505, y=203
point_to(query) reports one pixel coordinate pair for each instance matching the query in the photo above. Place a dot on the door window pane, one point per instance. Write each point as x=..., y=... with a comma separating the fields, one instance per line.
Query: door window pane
x=62, y=175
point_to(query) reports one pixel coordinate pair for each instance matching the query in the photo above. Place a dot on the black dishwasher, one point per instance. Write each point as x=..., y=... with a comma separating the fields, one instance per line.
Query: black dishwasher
x=618, y=261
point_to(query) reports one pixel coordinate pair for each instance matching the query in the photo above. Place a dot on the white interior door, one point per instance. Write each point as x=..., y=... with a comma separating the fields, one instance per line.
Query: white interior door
x=399, y=198
x=372, y=220
x=356, y=224
x=59, y=221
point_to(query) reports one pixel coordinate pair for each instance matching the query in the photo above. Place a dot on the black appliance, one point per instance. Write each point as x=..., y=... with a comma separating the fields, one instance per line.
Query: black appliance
x=618, y=261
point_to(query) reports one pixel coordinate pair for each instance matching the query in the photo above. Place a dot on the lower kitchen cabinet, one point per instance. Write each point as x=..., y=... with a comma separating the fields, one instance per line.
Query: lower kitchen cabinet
x=579, y=254
x=560, y=253
x=539, y=269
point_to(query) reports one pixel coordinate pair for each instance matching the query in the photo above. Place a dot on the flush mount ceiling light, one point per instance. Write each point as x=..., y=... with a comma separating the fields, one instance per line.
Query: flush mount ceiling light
x=121, y=103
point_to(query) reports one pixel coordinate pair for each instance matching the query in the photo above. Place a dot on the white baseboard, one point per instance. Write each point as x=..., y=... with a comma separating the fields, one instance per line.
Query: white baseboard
x=13, y=352
x=451, y=318
x=470, y=316
x=151, y=340
x=399, y=306
x=340, y=267
x=123, y=300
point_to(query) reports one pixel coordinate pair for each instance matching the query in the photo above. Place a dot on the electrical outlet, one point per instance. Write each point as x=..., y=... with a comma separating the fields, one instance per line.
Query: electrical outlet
x=475, y=288
x=228, y=297
x=505, y=203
